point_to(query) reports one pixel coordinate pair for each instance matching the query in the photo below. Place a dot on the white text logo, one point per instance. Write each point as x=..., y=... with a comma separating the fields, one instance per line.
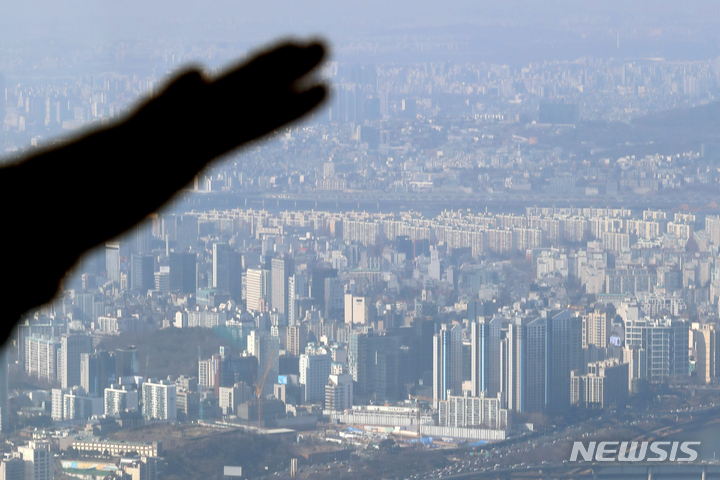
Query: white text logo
x=658, y=451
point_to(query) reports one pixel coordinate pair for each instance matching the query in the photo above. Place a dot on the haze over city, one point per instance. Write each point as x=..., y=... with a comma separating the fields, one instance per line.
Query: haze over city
x=498, y=236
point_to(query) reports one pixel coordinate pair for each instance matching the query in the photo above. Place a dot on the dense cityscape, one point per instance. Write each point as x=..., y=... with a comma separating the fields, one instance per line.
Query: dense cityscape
x=452, y=269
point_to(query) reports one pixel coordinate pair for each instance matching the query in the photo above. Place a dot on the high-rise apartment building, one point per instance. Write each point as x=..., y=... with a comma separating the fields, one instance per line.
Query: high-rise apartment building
x=605, y=383
x=535, y=371
x=447, y=362
x=564, y=340
x=657, y=349
x=120, y=398
x=478, y=412
x=159, y=400
x=74, y=404
x=41, y=358
x=595, y=329
x=42, y=327
x=485, y=357
x=296, y=339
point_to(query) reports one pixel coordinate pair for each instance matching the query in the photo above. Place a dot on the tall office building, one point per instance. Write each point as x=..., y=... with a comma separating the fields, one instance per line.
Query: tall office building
x=375, y=364
x=258, y=289
x=447, y=362
x=230, y=397
x=141, y=237
x=162, y=280
x=266, y=348
x=358, y=310
x=38, y=459
x=12, y=469
x=206, y=372
x=187, y=233
x=227, y=270
x=281, y=268
x=96, y=369
x=339, y=393
x=159, y=400
x=72, y=346
x=314, y=373
x=142, y=270
x=235, y=276
x=317, y=285
x=183, y=272
x=296, y=290
x=127, y=362
x=564, y=343
x=334, y=298
x=221, y=267
x=112, y=261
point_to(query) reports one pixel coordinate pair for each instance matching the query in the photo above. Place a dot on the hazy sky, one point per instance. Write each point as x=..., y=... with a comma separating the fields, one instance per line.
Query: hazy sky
x=190, y=20
x=512, y=31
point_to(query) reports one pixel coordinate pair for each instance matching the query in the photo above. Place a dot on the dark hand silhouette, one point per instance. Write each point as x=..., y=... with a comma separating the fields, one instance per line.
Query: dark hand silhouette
x=64, y=201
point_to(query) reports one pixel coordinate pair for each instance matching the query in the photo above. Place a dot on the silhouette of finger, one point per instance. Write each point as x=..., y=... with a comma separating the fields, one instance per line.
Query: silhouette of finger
x=283, y=65
x=284, y=110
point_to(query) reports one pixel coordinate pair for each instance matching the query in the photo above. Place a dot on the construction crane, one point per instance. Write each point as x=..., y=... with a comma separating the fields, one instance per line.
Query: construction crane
x=259, y=388
x=417, y=408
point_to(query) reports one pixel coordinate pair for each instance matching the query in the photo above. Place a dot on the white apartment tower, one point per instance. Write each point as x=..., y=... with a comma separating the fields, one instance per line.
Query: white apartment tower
x=119, y=399
x=159, y=400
